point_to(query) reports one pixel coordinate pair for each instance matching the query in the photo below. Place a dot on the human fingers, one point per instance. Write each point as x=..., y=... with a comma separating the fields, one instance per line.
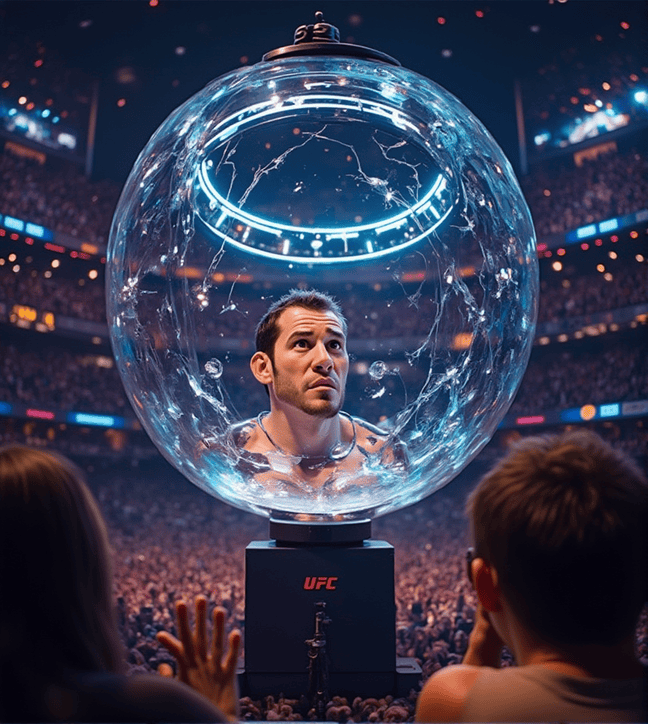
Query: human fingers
x=231, y=659
x=201, y=627
x=176, y=649
x=218, y=637
x=184, y=630
x=165, y=670
x=170, y=643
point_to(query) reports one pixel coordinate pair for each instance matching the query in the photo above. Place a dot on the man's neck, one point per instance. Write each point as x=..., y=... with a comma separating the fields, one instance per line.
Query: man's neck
x=593, y=660
x=300, y=434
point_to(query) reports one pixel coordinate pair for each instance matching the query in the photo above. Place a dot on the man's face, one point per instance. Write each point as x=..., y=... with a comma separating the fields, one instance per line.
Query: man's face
x=310, y=361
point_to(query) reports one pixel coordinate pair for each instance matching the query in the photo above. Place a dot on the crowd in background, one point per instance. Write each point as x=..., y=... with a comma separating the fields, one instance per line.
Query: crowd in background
x=569, y=197
x=557, y=377
x=53, y=372
x=65, y=201
x=560, y=201
x=172, y=541
x=560, y=377
x=586, y=294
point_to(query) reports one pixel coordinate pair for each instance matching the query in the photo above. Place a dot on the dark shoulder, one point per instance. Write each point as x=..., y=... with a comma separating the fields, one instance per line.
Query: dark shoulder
x=139, y=698
x=443, y=696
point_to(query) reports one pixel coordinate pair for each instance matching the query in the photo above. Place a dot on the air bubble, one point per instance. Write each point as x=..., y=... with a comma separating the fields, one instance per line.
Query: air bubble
x=214, y=368
x=378, y=370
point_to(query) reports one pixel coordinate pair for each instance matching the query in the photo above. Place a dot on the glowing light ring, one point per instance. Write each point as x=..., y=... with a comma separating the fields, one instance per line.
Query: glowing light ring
x=272, y=241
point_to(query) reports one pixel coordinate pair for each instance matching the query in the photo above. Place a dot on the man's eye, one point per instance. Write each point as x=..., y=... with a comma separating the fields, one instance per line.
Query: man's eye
x=301, y=343
x=335, y=344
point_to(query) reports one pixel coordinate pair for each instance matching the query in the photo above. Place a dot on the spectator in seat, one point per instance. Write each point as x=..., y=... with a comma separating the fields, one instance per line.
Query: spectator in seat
x=560, y=550
x=60, y=653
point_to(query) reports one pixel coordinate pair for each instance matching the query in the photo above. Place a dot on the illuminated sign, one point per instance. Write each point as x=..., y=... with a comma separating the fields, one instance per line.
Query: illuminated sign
x=40, y=414
x=530, y=420
x=315, y=583
x=85, y=418
x=5, y=408
x=14, y=224
x=609, y=225
x=26, y=227
x=22, y=313
x=588, y=412
x=612, y=410
x=585, y=231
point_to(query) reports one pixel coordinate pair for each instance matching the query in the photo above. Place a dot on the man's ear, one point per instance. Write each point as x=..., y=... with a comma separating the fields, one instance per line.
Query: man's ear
x=486, y=585
x=261, y=366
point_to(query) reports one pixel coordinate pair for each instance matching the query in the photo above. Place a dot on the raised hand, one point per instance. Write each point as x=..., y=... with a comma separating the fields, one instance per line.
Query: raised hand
x=209, y=670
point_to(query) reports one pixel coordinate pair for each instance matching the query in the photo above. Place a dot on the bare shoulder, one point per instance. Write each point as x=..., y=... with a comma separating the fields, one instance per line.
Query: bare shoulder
x=375, y=440
x=368, y=436
x=249, y=436
x=444, y=694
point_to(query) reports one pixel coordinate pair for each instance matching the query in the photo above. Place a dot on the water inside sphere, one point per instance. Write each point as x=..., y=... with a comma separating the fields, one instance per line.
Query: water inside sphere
x=355, y=178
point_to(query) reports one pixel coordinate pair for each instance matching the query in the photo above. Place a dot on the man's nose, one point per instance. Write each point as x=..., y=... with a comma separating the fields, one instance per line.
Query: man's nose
x=322, y=359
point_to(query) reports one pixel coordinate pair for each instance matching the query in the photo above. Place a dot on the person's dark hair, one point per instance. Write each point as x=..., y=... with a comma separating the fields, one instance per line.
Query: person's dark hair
x=563, y=520
x=267, y=330
x=56, y=607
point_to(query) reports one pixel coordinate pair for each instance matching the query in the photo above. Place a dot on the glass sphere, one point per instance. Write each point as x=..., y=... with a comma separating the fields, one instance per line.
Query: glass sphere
x=352, y=177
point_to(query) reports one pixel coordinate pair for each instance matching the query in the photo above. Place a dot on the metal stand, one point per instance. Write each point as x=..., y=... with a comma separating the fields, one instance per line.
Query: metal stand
x=335, y=573
x=318, y=665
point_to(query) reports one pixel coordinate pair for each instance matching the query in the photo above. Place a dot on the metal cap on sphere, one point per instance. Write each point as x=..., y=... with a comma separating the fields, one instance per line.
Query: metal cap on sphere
x=322, y=38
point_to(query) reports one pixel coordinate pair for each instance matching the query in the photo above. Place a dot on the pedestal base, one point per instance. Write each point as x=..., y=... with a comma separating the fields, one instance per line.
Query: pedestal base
x=287, y=582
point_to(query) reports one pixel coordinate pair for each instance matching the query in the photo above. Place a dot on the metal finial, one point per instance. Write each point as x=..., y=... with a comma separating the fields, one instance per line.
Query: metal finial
x=322, y=38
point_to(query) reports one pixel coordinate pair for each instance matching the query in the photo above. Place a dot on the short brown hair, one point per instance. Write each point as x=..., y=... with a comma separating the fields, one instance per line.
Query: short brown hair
x=267, y=330
x=562, y=519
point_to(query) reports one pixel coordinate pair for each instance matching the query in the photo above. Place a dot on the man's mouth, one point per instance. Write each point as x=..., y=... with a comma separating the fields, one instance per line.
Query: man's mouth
x=325, y=382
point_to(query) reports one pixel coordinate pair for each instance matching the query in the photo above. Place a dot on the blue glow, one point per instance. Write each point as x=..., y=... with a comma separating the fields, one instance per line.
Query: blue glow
x=85, y=418
x=609, y=225
x=16, y=224
x=641, y=96
x=573, y=414
x=278, y=229
x=586, y=231
x=5, y=408
x=13, y=111
x=235, y=226
x=46, y=113
x=35, y=230
x=611, y=410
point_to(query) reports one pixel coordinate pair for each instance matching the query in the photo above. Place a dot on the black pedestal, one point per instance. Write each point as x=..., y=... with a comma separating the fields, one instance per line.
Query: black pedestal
x=285, y=582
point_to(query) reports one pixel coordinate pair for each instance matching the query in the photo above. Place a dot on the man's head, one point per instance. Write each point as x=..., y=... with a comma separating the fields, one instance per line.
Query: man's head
x=562, y=520
x=301, y=352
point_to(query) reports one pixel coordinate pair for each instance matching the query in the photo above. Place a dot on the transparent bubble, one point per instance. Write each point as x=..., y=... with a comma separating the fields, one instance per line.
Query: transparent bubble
x=214, y=368
x=356, y=178
x=378, y=370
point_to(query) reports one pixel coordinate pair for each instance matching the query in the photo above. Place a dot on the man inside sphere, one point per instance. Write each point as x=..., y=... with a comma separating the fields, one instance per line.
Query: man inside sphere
x=302, y=360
